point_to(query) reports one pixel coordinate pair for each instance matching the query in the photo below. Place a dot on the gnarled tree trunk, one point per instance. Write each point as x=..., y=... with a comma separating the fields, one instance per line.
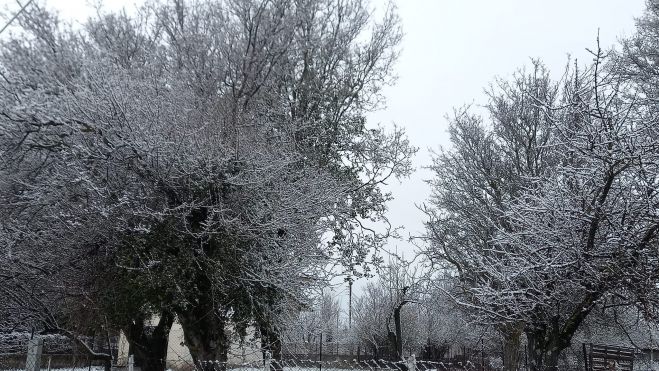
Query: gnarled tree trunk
x=548, y=337
x=543, y=351
x=396, y=338
x=149, y=346
x=205, y=336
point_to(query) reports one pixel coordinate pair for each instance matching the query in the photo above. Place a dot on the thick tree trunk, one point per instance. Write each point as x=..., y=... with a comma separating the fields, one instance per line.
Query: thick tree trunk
x=548, y=337
x=150, y=347
x=205, y=336
x=511, y=346
x=543, y=350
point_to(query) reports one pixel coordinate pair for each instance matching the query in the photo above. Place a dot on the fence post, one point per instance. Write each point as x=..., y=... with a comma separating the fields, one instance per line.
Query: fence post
x=34, y=349
x=411, y=363
x=267, y=361
x=585, y=356
x=131, y=363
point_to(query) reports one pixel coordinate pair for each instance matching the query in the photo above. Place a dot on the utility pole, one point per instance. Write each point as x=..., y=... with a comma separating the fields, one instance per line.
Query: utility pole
x=350, y=302
x=320, y=353
x=336, y=338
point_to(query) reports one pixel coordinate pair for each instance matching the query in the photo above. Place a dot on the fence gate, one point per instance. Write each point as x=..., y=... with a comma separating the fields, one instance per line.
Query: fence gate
x=608, y=358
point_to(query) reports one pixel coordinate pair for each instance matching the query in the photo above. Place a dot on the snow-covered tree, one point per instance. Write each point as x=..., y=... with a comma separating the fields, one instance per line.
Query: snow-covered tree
x=203, y=151
x=304, y=329
x=587, y=235
x=492, y=162
x=388, y=318
x=369, y=319
x=578, y=234
x=449, y=325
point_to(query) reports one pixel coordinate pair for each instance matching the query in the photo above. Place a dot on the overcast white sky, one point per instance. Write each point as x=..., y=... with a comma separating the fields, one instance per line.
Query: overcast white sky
x=452, y=49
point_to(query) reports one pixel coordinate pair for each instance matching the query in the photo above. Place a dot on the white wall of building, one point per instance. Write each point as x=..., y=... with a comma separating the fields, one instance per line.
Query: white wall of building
x=178, y=354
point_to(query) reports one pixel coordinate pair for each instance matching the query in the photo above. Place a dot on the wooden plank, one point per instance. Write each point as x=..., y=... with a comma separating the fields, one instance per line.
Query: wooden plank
x=608, y=352
x=612, y=352
x=611, y=349
x=600, y=357
x=621, y=357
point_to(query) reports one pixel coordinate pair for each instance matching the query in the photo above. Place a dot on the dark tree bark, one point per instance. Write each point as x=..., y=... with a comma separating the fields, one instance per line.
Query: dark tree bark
x=149, y=346
x=205, y=336
x=512, y=334
x=396, y=338
x=543, y=351
x=548, y=339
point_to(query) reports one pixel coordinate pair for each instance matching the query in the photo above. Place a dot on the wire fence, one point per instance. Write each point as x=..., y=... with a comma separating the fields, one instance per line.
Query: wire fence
x=411, y=364
x=24, y=352
x=313, y=365
x=67, y=362
x=21, y=361
x=36, y=354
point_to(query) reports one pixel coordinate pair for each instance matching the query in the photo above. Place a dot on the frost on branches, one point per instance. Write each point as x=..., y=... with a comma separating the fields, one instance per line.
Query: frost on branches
x=190, y=162
x=552, y=211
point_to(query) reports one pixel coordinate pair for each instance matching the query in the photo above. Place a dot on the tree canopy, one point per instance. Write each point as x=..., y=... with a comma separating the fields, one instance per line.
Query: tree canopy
x=212, y=157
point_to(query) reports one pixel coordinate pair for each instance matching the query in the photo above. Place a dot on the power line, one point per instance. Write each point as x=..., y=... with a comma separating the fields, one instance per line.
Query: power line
x=16, y=15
